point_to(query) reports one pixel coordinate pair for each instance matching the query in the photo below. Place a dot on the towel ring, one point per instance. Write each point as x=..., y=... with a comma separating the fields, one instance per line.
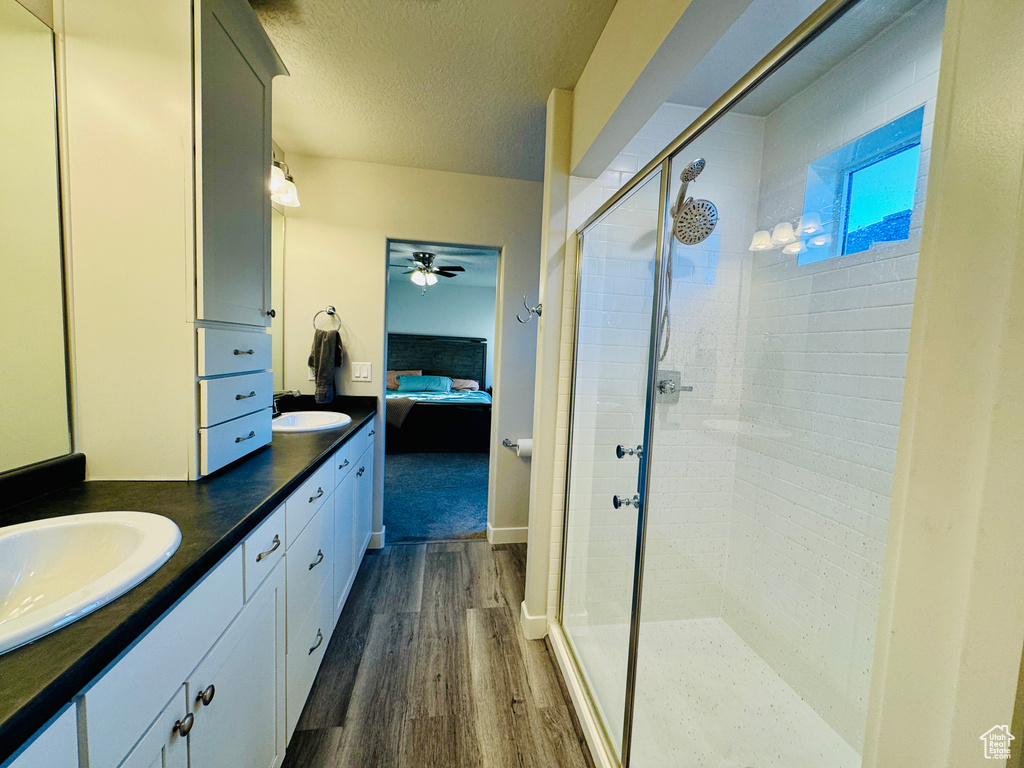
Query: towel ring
x=330, y=312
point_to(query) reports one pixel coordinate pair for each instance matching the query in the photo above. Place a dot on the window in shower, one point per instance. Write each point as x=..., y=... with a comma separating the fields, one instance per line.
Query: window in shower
x=862, y=194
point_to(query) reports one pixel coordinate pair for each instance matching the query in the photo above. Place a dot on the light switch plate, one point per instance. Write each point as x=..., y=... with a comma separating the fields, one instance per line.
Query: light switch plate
x=362, y=372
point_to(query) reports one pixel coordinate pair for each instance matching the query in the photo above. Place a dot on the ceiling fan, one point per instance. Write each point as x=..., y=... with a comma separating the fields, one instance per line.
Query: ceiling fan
x=423, y=270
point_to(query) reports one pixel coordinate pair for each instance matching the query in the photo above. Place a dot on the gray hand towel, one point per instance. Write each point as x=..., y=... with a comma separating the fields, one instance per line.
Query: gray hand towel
x=324, y=357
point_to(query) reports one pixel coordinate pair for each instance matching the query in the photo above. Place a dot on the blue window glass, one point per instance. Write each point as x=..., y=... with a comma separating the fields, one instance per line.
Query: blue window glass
x=880, y=199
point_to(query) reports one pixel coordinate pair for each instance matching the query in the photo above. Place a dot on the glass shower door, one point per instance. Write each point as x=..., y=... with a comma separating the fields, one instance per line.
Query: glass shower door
x=616, y=283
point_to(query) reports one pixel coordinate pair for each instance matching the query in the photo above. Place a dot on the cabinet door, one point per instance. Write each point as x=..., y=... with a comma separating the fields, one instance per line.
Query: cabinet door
x=233, y=267
x=163, y=746
x=344, y=530
x=241, y=719
x=55, y=746
x=363, y=518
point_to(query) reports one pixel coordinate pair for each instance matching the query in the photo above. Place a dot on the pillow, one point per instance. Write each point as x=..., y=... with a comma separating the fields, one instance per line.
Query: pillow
x=424, y=384
x=465, y=385
x=393, y=377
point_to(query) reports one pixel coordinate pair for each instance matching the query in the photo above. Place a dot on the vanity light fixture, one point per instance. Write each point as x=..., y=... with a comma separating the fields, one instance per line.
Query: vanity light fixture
x=795, y=247
x=820, y=241
x=282, y=186
x=783, y=233
x=762, y=241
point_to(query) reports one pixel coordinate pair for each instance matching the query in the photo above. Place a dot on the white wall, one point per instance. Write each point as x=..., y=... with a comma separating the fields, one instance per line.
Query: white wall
x=336, y=246
x=445, y=309
x=33, y=384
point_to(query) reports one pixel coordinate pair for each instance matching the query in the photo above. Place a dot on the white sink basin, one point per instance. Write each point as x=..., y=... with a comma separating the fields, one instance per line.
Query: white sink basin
x=54, y=572
x=310, y=421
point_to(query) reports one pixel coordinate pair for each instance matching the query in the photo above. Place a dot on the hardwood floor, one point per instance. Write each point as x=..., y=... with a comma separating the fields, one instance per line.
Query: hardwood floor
x=428, y=668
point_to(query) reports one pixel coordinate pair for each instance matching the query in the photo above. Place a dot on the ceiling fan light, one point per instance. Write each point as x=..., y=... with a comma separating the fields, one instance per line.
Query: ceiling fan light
x=431, y=278
x=419, y=278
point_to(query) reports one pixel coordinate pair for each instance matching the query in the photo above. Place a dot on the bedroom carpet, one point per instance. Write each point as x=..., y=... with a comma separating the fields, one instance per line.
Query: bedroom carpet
x=434, y=496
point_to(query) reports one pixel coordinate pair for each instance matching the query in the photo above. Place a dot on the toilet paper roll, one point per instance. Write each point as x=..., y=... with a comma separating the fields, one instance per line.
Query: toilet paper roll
x=524, y=448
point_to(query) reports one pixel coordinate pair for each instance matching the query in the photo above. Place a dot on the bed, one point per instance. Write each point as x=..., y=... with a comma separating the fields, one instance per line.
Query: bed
x=457, y=421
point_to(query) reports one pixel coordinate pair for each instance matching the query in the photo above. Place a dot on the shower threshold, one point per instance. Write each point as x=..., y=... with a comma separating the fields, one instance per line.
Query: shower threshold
x=705, y=698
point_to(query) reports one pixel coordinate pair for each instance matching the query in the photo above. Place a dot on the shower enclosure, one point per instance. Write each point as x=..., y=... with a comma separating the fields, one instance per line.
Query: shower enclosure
x=735, y=406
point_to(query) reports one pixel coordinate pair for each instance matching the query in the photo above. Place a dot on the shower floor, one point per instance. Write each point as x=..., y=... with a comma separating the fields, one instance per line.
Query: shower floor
x=706, y=700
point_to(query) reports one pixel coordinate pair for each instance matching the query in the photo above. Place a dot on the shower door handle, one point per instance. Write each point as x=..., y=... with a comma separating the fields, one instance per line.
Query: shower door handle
x=625, y=501
x=621, y=451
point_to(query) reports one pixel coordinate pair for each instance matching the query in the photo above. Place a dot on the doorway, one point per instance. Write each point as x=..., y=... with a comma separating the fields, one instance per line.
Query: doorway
x=440, y=351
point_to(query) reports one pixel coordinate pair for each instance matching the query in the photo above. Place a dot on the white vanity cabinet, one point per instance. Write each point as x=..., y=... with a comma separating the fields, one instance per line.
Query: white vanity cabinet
x=163, y=745
x=363, y=504
x=55, y=746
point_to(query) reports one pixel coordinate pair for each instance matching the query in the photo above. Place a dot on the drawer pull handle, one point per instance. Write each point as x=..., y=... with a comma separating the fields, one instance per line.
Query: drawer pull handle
x=319, y=639
x=276, y=542
x=372, y=433
x=319, y=559
x=183, y=726
x=246, y=397
x=319, y=493
x=206, y=697
x=359, y=472
x=342, y=466
x=250, y=436
x=244, y=352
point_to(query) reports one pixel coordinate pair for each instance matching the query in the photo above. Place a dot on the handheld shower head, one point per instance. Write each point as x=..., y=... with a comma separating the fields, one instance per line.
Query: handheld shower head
x=692, y=171
x=693, y=221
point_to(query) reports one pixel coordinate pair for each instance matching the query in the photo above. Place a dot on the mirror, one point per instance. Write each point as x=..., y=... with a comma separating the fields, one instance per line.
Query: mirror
x=34, y=416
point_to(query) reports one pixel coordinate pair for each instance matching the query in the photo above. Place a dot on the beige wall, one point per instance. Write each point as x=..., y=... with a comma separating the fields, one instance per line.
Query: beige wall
x=33, y=389
x=337, y=254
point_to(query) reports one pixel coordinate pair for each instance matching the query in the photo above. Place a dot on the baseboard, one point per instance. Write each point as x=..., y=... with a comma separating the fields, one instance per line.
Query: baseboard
x=507, y=535
x=377, y=538
x=534, y=627
x=592, y=731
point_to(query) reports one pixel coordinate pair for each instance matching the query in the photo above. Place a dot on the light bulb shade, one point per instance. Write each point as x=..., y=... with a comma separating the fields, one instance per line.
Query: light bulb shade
x=431, y=278
x=794, y=248
x=762, y=241
x=418, y=277
x=277, y=180
x=810, y=223
x=783, y=233
x=820, y=241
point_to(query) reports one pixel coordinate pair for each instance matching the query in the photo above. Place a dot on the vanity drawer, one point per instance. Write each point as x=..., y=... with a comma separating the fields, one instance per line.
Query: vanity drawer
x=223, y=351
x=309, y=563
x=262, y=550
x=306, y=649
x=307, y=500
x=132, y=693
x=224, y=399
x=232, y=440
x=342, y=462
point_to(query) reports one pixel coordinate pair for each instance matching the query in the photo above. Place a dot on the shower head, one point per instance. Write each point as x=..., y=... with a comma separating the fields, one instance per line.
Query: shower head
x=692, y=171
x=693, y=221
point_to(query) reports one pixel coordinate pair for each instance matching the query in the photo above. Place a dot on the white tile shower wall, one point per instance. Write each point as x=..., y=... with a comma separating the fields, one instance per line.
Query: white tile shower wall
x=826, y=351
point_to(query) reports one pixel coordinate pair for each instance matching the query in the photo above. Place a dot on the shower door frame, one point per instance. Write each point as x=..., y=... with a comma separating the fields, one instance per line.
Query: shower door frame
x=813, y=26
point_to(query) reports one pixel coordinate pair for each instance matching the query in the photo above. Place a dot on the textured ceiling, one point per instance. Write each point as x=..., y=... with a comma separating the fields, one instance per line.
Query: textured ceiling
x=481, y=264
x=453, y=85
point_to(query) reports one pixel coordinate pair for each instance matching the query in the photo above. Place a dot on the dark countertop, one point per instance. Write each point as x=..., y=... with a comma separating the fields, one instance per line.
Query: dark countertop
x=214, y=514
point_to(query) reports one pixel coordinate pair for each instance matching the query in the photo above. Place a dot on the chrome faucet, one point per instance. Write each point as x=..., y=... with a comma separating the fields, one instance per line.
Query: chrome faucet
x=278, y=394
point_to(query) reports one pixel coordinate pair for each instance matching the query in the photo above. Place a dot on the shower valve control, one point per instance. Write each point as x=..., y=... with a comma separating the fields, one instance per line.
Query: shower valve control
x=621, y=451
x=625, y=501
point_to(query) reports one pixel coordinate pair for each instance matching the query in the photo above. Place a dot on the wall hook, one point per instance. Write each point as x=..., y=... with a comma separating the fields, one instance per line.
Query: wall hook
x=531, y=310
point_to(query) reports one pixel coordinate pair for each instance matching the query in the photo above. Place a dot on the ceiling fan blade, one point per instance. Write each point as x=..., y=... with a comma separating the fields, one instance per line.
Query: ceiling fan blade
x=445, y=274
x=453, y=268
x=410, y=271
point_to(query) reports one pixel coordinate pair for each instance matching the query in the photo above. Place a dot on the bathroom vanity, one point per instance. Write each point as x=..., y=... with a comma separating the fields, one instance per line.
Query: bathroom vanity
x=209, y=661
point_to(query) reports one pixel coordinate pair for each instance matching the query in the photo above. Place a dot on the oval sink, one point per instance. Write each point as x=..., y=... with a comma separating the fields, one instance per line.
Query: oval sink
x=309, y=421
x=58, y=570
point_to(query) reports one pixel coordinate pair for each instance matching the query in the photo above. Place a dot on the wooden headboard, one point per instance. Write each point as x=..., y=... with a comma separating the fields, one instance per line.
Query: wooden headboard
x=456, y=356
